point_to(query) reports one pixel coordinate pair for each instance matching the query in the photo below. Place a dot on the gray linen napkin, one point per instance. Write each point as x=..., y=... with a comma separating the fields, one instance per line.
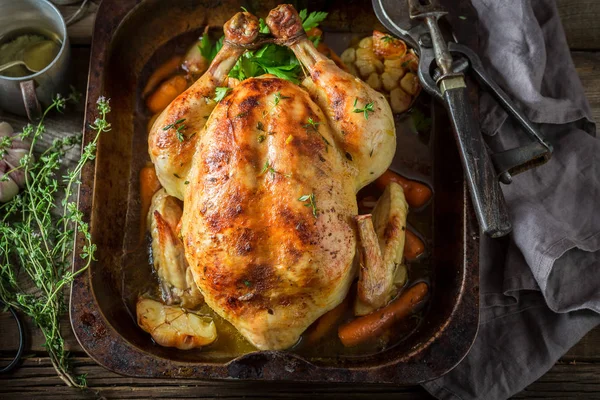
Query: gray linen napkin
x=540, y=287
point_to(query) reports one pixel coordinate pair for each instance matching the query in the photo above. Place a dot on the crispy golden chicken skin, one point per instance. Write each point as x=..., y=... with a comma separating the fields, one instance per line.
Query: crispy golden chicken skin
x=269, y=186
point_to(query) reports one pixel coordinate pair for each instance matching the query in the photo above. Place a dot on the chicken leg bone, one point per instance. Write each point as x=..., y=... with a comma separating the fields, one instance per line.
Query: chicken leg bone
x=173, y=137
x=361, y=118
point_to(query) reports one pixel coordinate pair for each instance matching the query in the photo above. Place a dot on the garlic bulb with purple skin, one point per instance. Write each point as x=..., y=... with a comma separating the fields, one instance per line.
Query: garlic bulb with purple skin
x=12, y=150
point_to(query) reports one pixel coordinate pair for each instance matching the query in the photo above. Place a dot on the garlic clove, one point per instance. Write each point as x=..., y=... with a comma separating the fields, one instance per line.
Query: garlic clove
x=13, y=160
x=5, y=129
x=8, y=187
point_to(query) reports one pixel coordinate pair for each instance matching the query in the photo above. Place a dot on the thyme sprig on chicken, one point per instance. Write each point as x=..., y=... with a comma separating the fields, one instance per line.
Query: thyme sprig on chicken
x=37, y=232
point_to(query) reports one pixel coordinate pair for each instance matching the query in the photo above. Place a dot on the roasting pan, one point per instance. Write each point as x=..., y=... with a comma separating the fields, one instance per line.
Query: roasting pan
x=130, y=37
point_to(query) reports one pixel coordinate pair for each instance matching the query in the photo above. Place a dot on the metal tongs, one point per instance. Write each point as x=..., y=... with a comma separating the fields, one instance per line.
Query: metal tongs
x=417, y=25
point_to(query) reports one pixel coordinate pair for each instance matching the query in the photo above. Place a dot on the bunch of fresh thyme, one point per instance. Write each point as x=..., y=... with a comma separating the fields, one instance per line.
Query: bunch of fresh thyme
x=37, y=230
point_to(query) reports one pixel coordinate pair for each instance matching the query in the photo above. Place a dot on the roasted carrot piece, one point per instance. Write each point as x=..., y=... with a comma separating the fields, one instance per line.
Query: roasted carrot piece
x=413, y=246
x=374, y=324
x=149, y=185
x=161, y=73
x=417, y=194
x=326, y=322
x=166, y=93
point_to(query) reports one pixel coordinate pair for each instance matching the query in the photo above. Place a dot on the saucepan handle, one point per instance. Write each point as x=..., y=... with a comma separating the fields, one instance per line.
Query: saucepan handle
x=30, y=100
x=481, y=178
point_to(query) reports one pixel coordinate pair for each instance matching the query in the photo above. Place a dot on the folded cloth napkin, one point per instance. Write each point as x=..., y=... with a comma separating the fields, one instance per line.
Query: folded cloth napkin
x=540, y=287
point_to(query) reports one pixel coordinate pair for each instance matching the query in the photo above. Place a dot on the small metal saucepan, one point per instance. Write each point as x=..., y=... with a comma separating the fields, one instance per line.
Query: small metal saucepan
x=27, y=95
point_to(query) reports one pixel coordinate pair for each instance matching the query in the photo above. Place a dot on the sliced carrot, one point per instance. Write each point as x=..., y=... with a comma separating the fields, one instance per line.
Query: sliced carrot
x=326, y=322
x=413, y=246
x=417, y=194
x=166, y=93
x=149, y=184
x=161, y=73
x=312, y=32
x=374, y=324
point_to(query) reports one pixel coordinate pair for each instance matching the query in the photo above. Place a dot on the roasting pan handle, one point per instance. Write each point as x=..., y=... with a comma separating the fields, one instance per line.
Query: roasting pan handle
x=480, y=175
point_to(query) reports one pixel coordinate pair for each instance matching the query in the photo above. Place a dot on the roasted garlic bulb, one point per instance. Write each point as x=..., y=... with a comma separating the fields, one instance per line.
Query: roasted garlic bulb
x=385, y=64
x=12, y=150
x=172, y=326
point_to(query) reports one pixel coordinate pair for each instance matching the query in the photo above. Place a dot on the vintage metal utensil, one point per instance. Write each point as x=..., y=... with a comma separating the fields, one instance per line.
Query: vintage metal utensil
x=416, y=22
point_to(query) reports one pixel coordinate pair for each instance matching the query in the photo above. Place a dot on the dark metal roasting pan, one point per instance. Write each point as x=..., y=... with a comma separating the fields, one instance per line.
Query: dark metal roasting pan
x=130, y=38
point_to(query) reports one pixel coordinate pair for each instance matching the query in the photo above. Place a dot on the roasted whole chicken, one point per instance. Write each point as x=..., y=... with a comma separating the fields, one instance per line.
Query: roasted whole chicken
x=268, y=178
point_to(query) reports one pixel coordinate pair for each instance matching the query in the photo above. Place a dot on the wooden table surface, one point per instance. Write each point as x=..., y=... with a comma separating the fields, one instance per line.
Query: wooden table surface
x=576, y=375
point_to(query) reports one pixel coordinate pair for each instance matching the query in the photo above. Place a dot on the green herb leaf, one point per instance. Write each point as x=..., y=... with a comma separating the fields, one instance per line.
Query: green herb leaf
x=313, y=19
x=270, y=58
x=247, y=283
x=369, y=107
x=311, y=124
x=279, y=97
x=208, y=49
x=263, y=28
x=37, y=232
x=310, y=198
x=221, y=92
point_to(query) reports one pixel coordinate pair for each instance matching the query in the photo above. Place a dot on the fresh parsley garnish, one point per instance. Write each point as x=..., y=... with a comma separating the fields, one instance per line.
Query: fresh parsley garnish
x=310, y=201
x=247, y=283
x=366, y=109
x=270, y=58
x=387, y=39
x=311, y=20
x=208, y=49
x=221, y=92
x=260, y=126
x=263, y=28
x=261, y=138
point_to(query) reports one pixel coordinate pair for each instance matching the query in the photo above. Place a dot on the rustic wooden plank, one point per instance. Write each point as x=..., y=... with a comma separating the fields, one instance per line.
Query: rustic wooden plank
x=35, y=340
x=587, y=350
x=566, y=381
x=36, y=377
x=588, y=69
x=580, y=20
